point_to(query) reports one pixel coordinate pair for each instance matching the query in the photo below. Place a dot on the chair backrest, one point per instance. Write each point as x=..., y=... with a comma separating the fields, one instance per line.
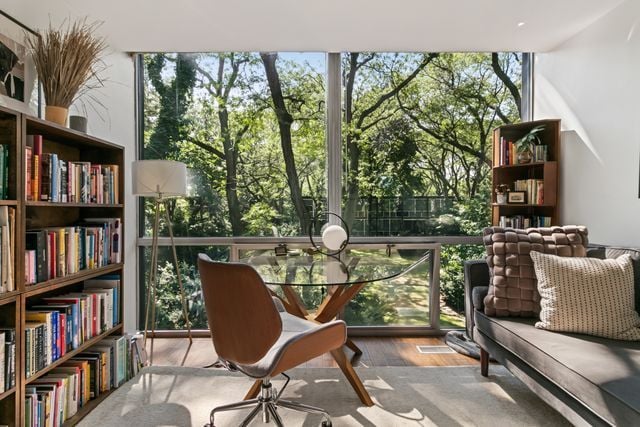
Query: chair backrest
x=243, y=318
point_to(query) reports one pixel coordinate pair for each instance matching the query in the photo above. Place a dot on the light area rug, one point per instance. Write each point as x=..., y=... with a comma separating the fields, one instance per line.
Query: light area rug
x=403, y=396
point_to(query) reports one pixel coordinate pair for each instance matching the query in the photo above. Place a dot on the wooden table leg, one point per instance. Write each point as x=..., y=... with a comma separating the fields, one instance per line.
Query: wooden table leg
x=254, y=390
x=353, y=346
x=352, y=376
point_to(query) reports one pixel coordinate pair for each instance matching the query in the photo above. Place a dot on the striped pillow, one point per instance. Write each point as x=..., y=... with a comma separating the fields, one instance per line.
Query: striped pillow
x=587, y=296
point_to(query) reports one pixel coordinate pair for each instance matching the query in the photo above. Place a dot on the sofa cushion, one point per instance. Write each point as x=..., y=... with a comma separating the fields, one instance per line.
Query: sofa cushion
x=613, y=252
x=513, y=286
x=587, y=295
x=602, y=373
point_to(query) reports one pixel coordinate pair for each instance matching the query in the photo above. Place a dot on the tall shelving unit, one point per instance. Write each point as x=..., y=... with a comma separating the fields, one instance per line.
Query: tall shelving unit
x=72, y=146
x=547, y=171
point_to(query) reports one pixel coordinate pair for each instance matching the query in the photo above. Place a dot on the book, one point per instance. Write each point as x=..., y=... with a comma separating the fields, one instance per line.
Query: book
x=7, y=224
x=45, y=177
x=110, y=281
x=3, y=358
x=8, y=354
x=28, y=165
x=36, y=240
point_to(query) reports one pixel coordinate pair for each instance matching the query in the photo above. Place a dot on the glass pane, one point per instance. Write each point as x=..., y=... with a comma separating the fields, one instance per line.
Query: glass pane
x=417, y=131
x=168, y=304
x=402, y=301
x=452, y=260
x=251, y=128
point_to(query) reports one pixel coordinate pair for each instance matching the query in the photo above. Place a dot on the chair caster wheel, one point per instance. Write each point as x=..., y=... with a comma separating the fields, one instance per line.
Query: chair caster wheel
x=326, y=424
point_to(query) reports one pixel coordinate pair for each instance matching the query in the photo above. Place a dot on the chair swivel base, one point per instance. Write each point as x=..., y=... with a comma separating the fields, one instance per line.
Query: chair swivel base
x=268, y=403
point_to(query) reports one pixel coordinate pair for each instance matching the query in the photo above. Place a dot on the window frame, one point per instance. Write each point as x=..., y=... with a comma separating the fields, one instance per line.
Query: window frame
x=334, y=177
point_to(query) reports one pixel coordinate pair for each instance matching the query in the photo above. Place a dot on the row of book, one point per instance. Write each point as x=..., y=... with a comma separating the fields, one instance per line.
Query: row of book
x=52, y=179
x=7, y=358
x=522, y=222
x=508, y=154
x=58, y=395
x=534, y=189
x=540, y=153
x=4, y=171
x=63, y=323
x=59, y=251
x=7, y=248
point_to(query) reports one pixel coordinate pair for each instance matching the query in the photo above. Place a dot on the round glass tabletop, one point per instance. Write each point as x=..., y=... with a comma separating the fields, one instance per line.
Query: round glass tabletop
x=301, y=269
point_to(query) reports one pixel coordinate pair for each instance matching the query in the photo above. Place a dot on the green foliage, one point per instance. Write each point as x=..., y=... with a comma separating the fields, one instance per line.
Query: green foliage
x=260, y=219
x=416, y=125
x=168, y=304
x=530, y=138
x=370, y=307
x=452, y=258
x=473, y=217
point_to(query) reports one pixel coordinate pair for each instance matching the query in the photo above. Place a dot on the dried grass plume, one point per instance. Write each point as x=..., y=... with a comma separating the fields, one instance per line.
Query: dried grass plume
x=68, y=61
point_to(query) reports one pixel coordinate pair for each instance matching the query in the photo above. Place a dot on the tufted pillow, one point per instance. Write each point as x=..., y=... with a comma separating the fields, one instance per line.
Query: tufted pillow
x=513, y=286
x=587, y=296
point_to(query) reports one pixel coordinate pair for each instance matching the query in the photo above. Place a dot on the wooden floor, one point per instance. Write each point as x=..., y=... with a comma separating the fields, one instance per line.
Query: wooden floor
x=376, y=351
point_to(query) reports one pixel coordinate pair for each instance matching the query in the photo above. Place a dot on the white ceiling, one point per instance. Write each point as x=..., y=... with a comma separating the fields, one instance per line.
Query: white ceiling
x=324, y=25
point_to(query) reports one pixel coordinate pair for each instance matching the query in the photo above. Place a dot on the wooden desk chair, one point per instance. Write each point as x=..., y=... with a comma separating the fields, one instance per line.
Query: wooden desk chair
x=254, y=335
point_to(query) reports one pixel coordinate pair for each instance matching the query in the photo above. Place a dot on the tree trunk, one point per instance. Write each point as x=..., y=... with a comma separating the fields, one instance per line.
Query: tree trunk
x=231, y=162
x=284, y=123
x=353, y=151
x=511, y=86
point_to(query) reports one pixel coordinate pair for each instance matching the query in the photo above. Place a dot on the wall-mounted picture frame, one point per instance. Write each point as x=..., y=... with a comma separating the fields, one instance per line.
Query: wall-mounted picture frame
x=517, y=197
x=19, y=85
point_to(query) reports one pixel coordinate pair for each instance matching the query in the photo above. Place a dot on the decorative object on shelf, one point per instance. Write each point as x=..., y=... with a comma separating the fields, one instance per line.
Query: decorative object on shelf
x=525, y=143
x=161, y=180
x=68, y=62
x=335, y=238
x=501, y=193
x=19, y=84
x=517, y=197
x=78, y=123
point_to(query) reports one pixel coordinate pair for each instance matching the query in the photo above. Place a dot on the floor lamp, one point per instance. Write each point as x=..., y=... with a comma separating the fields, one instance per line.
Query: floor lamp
x=160, y=180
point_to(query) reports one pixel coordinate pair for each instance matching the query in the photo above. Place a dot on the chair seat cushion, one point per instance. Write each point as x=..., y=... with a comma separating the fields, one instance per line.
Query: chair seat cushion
x=301, y=340
x=602, y=373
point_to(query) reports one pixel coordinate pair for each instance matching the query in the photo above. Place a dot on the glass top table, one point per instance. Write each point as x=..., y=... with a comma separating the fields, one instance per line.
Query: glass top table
x=343, y=279
x=301, y=269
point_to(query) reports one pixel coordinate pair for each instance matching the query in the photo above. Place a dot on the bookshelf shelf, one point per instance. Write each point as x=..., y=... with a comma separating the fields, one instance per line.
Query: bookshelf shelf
x=69, y=355
x=521, y=205
x=523, y=165
x=7, y=393
x=61, y=282
x=104, y=182
x=66, y=135
x=9, y=297
x=31, y=203
x=541, y=178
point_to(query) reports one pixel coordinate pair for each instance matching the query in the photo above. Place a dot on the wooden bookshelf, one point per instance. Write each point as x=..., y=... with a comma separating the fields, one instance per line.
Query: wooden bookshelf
x=71, y=145
x=547, y=171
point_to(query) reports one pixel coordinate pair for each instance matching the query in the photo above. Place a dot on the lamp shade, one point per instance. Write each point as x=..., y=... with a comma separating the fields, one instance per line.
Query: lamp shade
x=159, y=178
x=334, y=237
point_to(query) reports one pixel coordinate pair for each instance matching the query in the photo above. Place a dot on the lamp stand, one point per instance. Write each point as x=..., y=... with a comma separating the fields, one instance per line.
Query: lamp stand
x=152, y=289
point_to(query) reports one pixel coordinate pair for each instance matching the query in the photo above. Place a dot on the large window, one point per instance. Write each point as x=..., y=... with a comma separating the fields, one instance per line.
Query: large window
x=414, y=151
x=417, y=136
x=250, y=126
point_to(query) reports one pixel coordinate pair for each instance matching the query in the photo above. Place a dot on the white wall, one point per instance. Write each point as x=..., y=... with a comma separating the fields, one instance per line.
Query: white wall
x=117, y=125
x=592, y=82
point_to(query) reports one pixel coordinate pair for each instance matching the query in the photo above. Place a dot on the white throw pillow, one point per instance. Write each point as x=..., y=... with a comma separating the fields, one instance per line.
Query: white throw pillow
x=587, y=296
